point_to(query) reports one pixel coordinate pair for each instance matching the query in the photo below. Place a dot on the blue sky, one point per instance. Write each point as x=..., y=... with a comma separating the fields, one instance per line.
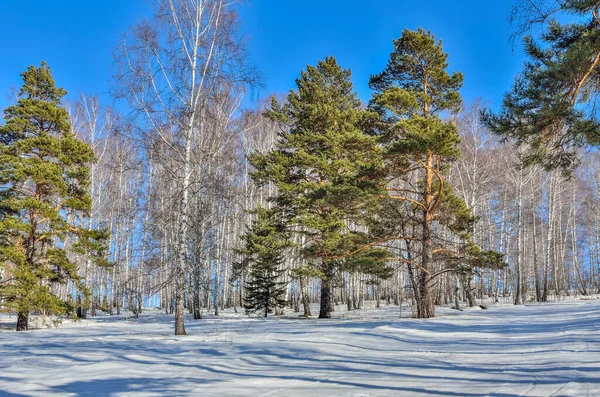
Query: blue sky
x=77, y=39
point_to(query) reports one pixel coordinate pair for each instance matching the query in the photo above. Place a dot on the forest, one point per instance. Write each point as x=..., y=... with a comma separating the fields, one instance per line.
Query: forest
x=374, y=226
x=180, y=196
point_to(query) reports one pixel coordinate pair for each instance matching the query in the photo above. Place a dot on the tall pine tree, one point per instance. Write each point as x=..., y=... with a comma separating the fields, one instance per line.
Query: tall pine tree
x=324, y=167
x=412, y=96
x=43, y=191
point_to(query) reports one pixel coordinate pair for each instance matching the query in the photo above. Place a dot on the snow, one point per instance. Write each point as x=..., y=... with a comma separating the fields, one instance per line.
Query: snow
x=532, y=350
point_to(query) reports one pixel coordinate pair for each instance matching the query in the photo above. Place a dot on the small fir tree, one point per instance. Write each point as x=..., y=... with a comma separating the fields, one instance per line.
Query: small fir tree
x=43, y=192
x=264, y=245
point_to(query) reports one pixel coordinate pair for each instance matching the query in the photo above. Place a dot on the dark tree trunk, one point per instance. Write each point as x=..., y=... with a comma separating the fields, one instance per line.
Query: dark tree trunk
x=325, y=310
x=545, y=289
x=23, y=321
x=425, y=302
x=81, y=312
x=267, y=304
x=518, y=292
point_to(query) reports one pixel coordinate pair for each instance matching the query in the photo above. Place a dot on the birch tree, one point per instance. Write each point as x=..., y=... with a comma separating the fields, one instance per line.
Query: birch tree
x=170, y=69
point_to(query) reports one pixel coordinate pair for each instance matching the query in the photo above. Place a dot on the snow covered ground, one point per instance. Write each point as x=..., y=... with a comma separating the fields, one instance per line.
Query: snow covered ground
x=533, y=350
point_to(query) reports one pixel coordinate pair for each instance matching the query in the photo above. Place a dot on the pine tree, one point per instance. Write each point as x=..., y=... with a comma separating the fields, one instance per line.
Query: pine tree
x=264, y=246
x=551, y=109
x=411, y=96
x=43, y=190
x=324, y=167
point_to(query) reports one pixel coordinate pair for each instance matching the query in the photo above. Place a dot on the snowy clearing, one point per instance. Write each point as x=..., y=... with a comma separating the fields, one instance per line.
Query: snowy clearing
x=534, y=350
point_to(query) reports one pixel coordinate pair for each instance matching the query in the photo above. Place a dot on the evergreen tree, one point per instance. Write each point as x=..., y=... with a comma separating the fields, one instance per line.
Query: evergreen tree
x=264, y=245
x=325, y=168
x=43, y=190
x=411, y=96
x=551, y=109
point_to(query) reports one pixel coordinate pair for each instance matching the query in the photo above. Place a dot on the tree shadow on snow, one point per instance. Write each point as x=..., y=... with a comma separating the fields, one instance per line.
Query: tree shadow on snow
x=114, y=386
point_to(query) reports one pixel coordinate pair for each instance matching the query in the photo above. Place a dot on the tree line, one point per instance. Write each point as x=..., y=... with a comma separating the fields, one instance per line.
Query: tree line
x=192, y=203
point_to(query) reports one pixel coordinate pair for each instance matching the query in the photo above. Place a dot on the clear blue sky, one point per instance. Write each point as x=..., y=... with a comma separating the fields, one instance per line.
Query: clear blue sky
x=77, y=39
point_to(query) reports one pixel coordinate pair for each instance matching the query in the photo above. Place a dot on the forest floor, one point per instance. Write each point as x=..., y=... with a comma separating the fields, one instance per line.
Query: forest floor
x=532, y=350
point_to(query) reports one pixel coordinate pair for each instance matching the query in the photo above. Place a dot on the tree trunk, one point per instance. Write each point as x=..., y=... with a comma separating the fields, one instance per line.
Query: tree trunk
x=23, y=321
x=519, y=298
x=574, y=250
x=305, y=300
x=196, y=295
x=456, y=289
x=183, y=231
x=549, y=242
x=425, y=303
x=179, y=306
x=536, y=272
x=81, y=310
x=325, y=310
x=466, y=281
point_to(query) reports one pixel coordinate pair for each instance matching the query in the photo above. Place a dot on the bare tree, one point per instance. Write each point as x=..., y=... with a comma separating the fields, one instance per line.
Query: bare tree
x=171, y=69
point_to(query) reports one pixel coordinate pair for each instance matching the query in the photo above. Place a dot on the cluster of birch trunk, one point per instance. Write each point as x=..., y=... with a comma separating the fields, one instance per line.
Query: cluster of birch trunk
x=546, y=223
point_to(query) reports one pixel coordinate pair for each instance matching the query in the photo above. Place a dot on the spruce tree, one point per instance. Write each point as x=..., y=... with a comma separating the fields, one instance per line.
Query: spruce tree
x=551, y=109
x=412, y=95
x=264, y=245
x=43, y=190
x=325, y=169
